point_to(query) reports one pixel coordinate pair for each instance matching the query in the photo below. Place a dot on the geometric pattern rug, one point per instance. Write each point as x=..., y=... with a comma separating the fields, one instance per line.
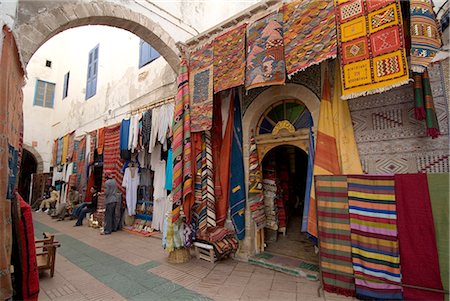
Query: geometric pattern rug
x=391, y=140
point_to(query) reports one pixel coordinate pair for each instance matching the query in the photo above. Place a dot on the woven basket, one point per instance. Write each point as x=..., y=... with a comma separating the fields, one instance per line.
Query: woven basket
x=182, y=255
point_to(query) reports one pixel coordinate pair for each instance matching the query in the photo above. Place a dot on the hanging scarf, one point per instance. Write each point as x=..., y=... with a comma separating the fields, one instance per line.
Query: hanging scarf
x=237, y=180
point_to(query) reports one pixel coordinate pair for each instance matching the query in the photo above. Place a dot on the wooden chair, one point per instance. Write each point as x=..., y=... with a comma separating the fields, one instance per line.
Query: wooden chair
x=46, y=253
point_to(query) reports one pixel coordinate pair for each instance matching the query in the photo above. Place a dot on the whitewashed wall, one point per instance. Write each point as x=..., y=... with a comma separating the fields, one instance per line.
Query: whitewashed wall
x=121, y=85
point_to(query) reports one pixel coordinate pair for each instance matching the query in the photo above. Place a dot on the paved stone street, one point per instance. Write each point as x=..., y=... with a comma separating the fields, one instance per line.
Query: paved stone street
x=124, y=266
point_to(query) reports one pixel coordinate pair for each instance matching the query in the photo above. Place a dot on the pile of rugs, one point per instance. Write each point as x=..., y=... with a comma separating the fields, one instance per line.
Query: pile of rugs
x=270, y=196
x=379, y=233
x=222, y=239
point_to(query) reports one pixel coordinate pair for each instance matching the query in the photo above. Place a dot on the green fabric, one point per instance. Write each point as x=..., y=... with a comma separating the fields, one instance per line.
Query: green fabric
x=430, y=111
x=438, y=187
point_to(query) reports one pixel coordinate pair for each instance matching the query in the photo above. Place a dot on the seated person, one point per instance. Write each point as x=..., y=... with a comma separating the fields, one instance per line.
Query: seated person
x=87, y=207
x=47, y=203
x=72, y=201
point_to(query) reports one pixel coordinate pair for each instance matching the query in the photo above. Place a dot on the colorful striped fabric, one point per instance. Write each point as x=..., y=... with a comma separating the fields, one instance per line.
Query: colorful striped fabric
x=199, y=206
x=237, y=178
x=181, y=147
x=375, y=248
x=255, y=189
x=334, y=233
x=208, y=196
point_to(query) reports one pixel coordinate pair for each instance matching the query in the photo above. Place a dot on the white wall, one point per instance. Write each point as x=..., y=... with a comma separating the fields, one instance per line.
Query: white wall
x=121, y=85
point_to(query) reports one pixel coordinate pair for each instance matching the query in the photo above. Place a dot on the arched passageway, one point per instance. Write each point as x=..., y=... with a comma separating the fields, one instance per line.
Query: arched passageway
x=64, y=15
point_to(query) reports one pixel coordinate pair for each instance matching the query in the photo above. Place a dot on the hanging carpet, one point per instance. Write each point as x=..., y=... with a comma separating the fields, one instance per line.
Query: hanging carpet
x=334, y=231
x=182, y=167
x=375, y=249
x=265, y=52
x=201, y=88
x=309, y=33
x=371, y=47
x=112, y=164
x=229, y=59
x=255, y=189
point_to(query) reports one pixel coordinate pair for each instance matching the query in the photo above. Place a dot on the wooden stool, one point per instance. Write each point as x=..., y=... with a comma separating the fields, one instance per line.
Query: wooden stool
x=205, y=252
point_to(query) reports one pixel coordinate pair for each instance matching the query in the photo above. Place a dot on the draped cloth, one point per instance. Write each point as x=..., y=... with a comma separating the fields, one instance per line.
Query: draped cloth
x=30, y=273
x=416, y=234
x=255, y=189
x=336, y=150
x=182, y=150
x=438, y=186
x=11, y=98
x=237, y=179
x=326, y=161
x=309, y=180
x=224, y=167
x=334, y=229
x=375, y=249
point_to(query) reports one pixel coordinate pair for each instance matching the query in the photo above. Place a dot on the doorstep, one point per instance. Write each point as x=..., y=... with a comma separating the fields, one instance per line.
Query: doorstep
x=288, y=265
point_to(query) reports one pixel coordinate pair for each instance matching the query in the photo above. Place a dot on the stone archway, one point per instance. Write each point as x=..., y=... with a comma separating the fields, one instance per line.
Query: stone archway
x=249, y=122
x=37, y=157
x=42, y=26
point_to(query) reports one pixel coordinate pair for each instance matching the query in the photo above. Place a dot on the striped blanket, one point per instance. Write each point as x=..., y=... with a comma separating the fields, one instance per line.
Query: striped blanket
x=375, y=249
x=334, y=233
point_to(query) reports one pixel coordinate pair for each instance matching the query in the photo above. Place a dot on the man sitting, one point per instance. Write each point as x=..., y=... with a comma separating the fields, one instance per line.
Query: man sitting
x=47, y=203
x=73, y=200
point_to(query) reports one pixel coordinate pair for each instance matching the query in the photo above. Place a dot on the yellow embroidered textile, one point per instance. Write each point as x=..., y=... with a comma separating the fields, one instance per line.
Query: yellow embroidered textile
x=371, y=46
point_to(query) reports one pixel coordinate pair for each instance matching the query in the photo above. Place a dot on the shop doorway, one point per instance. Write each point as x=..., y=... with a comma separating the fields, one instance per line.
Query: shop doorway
x=28, y=166
x=284, y=173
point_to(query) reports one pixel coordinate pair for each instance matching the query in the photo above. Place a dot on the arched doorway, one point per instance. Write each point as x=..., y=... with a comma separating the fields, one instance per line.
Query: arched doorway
x=285, y=169
x=28, y=166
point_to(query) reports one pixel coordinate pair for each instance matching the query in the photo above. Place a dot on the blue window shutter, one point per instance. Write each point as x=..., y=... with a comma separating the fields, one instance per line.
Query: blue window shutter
x=91, y=83
x=146, y=53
